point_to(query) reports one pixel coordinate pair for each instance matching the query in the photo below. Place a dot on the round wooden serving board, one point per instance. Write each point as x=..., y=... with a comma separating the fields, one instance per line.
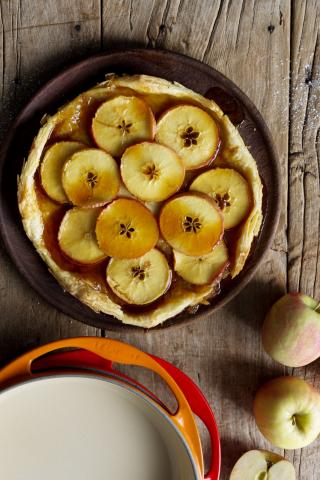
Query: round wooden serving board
x=64, y=87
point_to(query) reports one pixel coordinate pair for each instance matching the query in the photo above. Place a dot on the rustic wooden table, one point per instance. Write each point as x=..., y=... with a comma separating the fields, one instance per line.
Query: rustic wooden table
x=270, y=49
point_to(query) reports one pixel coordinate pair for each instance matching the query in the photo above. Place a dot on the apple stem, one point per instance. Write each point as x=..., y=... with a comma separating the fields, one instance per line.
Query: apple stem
x=269, y=464
x=317, y=309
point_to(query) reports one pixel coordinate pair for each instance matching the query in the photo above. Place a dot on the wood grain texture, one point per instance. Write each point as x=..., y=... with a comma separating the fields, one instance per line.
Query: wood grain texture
x=304, y=206
x=252, y=42
x=38, y=39
x=224, y=354
x=63, y=87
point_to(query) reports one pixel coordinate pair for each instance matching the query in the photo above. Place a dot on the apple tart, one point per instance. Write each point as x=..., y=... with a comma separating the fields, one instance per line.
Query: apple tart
x=141, y=197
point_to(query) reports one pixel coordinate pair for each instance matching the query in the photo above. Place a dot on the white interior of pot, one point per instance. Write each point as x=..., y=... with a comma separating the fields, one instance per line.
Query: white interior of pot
x=81, y=427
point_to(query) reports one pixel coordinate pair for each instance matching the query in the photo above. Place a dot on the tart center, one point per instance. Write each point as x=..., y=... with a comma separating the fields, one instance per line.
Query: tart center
x=92, y=179
x=124, y=127
x=191, y=224
x=126, y=230
x=138, y=272
x=151, y=171
x=190, y=137
x=223, y=201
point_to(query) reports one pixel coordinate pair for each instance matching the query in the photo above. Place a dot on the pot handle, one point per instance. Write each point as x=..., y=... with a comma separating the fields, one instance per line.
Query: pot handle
x=197, y=401
x=200, y=406
x=117, y=352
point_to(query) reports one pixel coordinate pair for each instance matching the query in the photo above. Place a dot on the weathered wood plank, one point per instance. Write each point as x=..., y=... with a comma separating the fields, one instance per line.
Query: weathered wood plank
x=223, y=355
x=249, y=41
x=47, y=13
x=41, y=38
x=304, y=157
x=38, y=39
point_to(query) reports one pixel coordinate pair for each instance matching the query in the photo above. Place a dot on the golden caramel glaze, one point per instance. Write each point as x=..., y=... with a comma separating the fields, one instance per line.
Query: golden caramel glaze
x=126, y=229
x=191, y=223
x=42, y=216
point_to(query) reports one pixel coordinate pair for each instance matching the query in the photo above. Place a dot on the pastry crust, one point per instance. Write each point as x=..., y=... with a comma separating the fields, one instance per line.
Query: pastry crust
x=157, y=92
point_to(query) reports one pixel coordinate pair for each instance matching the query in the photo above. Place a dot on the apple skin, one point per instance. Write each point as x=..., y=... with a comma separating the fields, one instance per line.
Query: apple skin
x=287, y=412
x=291, y=330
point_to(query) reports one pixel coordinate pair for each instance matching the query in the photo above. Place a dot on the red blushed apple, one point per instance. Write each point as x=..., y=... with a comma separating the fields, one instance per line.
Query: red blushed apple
x=287, y=412
x=291, y=331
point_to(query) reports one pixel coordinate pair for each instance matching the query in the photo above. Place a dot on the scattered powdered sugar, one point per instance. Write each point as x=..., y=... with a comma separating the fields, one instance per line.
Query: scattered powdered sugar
x=303, y=107
x=305, y=98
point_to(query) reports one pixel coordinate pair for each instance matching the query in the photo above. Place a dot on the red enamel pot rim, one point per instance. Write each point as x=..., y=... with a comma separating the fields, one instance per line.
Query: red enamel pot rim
x=87, y=361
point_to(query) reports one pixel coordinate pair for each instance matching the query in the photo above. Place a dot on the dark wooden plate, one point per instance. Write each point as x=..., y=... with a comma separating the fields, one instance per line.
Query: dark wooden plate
x=83, y=75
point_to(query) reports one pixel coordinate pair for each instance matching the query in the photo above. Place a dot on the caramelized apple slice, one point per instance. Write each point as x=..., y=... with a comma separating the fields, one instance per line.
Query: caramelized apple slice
x=141, y=280
x=191, y=223
x=151, y=172
x=77, y=237
x=51, y=168
x=191, y=132
x=91, y=178
x=126, y=229
x=230, y=190
x=121, y=122
x=204, y=269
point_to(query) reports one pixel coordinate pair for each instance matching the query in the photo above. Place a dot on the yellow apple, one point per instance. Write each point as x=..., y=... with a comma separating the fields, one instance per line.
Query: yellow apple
x=287, y=412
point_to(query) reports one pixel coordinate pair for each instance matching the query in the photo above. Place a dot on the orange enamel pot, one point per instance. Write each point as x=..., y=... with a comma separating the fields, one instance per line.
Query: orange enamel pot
x=72, y=416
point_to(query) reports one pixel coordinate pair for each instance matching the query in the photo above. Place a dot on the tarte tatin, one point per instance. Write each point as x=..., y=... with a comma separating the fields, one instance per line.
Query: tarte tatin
x=141, y=197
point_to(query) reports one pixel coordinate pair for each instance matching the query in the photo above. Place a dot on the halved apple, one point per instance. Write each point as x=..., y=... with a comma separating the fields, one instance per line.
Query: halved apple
x=141, y=280
x=230, y=190
x=262, y=465
x=91, y=178
x=126, y=229
x=202, y=270
x=77, y=237
x=51, y=168
x=191, y=132
x=151, y=171
x=191, y=223
x=121, y=122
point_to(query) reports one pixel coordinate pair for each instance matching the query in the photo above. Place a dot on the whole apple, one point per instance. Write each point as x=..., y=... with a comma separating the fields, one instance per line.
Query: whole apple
x=287, y=412
x=291, y=330
x=262, y=465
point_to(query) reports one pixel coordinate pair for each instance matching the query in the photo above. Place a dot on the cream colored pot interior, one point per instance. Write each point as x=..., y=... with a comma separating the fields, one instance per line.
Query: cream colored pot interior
x=81, y=428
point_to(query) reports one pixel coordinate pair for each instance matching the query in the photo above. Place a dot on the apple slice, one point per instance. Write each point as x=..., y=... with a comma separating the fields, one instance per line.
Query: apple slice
x=126, y=229
x=51, y=168
x=202, y=270
x=287, y=412
x=262, y=465
x=121, y=122
x=77, y=237
x=191, y=223
x=141, y=280
x=191, y=132
x=151, y=171
x=230, y=190
x=91, y=178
